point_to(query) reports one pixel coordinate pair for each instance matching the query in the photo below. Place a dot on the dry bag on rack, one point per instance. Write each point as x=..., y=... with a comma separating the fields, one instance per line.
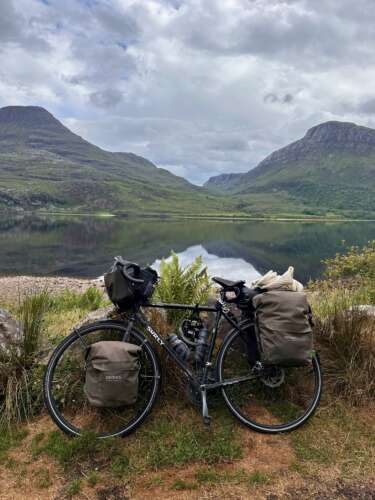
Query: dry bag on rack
x=283, y=324
x=112, y=371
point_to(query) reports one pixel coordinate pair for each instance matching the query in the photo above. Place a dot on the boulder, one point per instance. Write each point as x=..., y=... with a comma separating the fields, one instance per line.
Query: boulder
x=10, y=330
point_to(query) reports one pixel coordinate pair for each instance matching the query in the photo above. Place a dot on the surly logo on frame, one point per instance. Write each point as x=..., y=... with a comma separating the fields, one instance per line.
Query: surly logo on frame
x=155, y=335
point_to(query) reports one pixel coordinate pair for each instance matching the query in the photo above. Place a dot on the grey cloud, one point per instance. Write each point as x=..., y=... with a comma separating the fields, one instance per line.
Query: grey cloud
x=271, y=97
x=107, y=98
x=17, y=30
x=367, y=106
x=117, y=22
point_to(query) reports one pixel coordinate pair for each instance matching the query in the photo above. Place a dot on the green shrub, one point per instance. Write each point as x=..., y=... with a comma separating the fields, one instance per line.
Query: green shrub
x=356, y=263
x=188, y=285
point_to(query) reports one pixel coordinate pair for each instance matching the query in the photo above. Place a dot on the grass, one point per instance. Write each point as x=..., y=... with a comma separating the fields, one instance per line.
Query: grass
x=337, y=437
x=180, y=485
x=67, y=452
x=89, y=300
x=43, y=478
x=45, y=319
x=176, y=442
x=9, y=439
x=344, y=332
x=73, y=488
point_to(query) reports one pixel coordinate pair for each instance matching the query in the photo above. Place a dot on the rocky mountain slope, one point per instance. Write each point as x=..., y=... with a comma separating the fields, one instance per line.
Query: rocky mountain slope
x=44, y=164
x=331, y=167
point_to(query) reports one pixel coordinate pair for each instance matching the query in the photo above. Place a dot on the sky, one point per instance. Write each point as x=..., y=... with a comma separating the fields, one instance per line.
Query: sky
x=200, y=87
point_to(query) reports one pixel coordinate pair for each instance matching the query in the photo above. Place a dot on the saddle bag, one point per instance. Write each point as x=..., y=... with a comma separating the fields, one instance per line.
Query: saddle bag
x=283, y=326
x=112, y=371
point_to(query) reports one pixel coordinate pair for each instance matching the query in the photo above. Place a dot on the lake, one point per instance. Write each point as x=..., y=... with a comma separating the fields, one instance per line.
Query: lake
x=85, y=246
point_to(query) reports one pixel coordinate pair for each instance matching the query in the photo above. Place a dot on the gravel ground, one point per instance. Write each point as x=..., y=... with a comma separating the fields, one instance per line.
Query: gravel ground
x=13, y=287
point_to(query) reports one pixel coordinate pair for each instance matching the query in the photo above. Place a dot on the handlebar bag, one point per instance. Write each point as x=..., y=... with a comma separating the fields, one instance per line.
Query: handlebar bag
x=112, y=371
x=125, y=293
x=283, y=324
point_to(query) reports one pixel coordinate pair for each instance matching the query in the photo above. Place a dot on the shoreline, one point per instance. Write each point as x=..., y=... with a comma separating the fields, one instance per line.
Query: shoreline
x=13, y=288
x=171, y=216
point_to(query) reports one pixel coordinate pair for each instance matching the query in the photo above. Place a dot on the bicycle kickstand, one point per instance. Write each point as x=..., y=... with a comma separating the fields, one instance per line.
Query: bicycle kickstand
x=205, y=415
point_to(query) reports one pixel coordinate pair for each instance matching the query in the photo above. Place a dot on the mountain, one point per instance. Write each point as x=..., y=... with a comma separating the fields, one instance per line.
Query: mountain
x=331, y=168
x=45, y=165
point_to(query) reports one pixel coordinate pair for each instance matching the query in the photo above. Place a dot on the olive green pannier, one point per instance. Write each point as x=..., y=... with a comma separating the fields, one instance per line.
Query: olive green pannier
x=283, y=325
x=112, y=371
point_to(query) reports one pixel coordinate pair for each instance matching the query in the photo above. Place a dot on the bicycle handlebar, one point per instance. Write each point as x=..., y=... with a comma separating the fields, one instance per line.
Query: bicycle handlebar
x=128, y=276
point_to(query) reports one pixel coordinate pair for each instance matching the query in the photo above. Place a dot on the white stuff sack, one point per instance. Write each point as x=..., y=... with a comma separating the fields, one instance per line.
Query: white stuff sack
x=274, y=281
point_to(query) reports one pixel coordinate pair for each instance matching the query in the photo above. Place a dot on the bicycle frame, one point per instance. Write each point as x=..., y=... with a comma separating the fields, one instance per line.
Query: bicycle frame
x=220, y=309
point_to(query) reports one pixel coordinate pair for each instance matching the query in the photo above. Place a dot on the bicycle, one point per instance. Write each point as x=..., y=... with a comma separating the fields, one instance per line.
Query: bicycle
x=268, y=399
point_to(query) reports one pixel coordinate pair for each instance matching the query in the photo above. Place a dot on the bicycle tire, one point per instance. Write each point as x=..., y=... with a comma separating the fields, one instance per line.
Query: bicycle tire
x=78, y=335
x=268, y=429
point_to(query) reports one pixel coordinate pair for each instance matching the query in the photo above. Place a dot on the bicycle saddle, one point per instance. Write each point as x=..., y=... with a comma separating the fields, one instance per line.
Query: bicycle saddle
x=228, y=283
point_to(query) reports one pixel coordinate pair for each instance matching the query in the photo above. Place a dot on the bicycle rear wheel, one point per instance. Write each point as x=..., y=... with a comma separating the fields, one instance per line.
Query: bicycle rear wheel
x=277, y=399
x=64, y=381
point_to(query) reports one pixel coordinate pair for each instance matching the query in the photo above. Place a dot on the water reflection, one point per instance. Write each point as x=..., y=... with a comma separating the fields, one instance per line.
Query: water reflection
x=225, y=267
x=85, y=246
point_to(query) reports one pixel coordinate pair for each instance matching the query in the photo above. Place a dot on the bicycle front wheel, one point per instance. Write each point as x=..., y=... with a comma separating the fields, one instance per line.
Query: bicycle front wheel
x=277, y=399
x=64, y=381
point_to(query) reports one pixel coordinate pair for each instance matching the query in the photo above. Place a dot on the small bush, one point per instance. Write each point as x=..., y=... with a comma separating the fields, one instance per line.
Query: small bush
x=356, y=263
x=189, y=285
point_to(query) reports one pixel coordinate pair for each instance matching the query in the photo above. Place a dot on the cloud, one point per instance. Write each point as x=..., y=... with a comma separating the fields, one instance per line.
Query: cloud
x=106, y=98
x=198, y=87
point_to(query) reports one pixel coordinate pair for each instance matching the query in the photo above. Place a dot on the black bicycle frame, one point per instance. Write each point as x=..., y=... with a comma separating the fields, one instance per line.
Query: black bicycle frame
x=220, y=310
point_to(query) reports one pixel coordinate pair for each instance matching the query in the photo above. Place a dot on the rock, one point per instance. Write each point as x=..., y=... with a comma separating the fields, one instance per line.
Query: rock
x=10, y=331
x=368, y=309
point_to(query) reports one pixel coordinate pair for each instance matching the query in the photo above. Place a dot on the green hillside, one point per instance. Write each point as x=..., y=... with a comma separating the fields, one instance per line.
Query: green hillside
x=44, y=165
x=331, y=168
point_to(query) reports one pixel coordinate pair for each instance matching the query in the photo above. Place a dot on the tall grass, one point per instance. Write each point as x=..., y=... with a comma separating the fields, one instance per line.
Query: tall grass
x=345, y=333
x=22, y=364
x=89, y=300
x=32, y=312
x=20, y=374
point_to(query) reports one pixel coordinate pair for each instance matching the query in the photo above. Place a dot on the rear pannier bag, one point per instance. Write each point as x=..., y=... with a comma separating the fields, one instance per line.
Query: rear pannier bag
x=112, y=370
x=125, y=293
x=283, y=323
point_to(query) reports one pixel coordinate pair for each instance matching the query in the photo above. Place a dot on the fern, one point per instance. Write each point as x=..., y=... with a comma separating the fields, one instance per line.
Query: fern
x=185, y=285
